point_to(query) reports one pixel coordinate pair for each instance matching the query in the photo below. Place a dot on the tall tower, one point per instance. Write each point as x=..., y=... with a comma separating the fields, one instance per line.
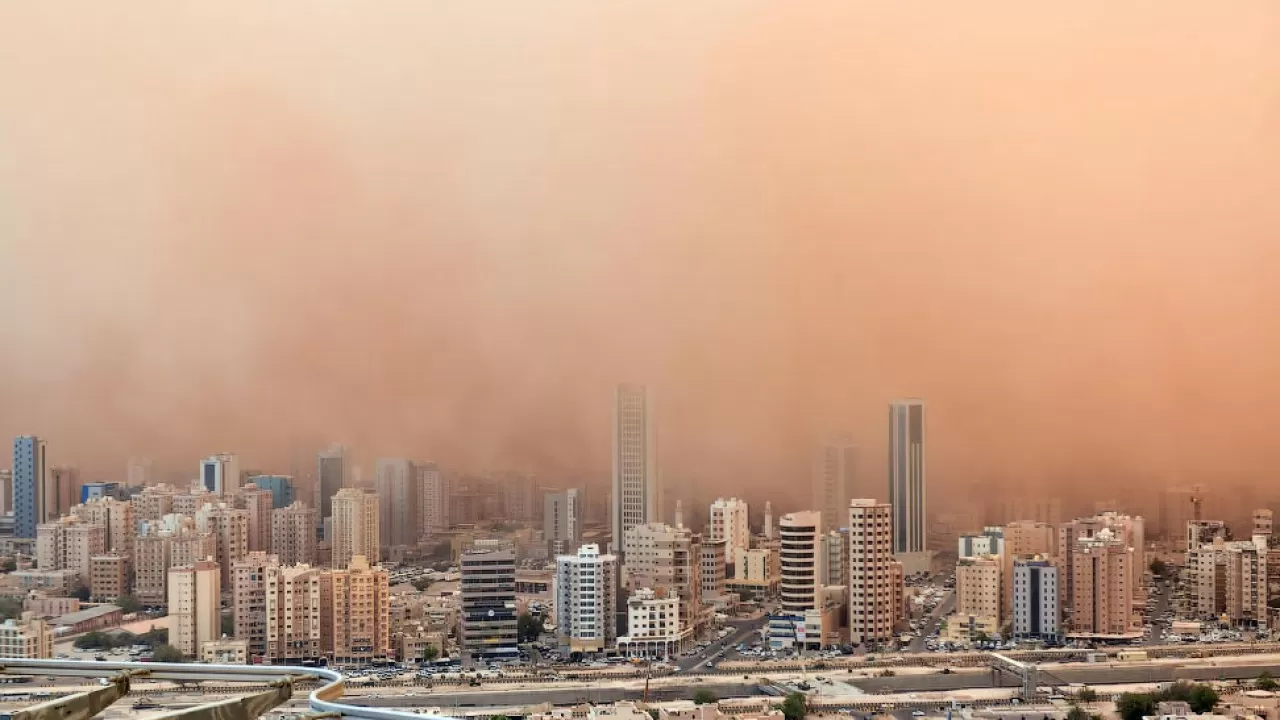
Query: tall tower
x=907, y=474
x=355, y=526
x=870, y=566
x=802, y=559
x=768, y=520
x=397, y=485
x=833, y=468
x=635, y=478
x=331, y=471
x=220, y=474
x=30, y=476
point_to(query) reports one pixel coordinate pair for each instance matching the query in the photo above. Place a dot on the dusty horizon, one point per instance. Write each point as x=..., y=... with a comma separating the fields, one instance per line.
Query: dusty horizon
x=445, y=231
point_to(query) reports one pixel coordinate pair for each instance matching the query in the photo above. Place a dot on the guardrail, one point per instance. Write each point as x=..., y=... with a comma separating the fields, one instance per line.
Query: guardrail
x=323, y=700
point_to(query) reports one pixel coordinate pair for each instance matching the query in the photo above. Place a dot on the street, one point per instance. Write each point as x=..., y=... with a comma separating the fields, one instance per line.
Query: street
x=743, y=631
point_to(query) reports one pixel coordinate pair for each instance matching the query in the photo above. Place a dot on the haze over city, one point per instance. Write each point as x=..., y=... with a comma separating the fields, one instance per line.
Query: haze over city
x=448, y=230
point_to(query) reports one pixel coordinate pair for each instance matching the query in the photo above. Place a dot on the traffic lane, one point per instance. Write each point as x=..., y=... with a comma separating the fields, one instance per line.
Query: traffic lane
x=745, y=629
x=932, y=622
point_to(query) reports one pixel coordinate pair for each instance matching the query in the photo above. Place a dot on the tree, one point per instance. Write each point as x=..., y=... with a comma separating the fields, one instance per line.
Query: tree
x=421, y=584
x=528, y=627
x=165, y=652
x=703, y=696
x=10, y=608
x=81, y=593
x=128, y=603
x=1087, y=694
x=1266, y=682
x=430, y=652
x=1135, y=706
x=1077, y=713
x=1203, y=698
x=9, y=565
x=1159, y=567
x=795, y=706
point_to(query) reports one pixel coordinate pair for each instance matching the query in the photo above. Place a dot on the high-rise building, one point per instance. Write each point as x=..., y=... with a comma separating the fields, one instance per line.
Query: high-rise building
x=1036, y=613
x=256, y=502
x=907, y=475
x=801, y=559
x=978, y=587
x=195, y=615
x=873, y=609
x=654, y=627
x=433, y=499
x=1262, y=524
x=116, y=517
x=636, y=497
x=397, y=487
x=989, y=542
x=220, y=474
x=293, y=613
x=666, y=558
x=293, y=534
x=249, y=600
x=1246, y=586
x=714, y=558
x=151, y=563
x=69, y=544
x=355, y=612
x=139, y=472
x=62, y=490
x=1102, y=585
x=331, y=475
x=355, y=526
x=835, y=559
x=1026, y=537
x=488, y=587
x=586, y=600
x=280, y=487
x=30, y=470
x=230, y=530
x=153, y=502
x=729, y=523
x=6, y=492
x=834, y=465
x=768, y=521
x=562, y=520
x=108, y=576
x=520, y=496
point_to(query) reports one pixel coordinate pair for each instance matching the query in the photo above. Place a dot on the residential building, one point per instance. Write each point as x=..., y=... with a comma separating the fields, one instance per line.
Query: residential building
x=714, y=560
x=835, y=560
x=989, y=542
x=586, y=600
x=355, y=612
x=636, y=497
x=834, y=465
x=398, y=510
x=801, y=560
x=872, y=607
x=220, y=475
x=257, y=504
x=280, y=487
x=1029, y=537
x=520, y=497
x=729, y=523
x=1036, y=613
x=26, y=638
x=230, y=530
x=153, y=502
x=1102, y=586
x=151, y=563
x=487, y=584
x=194, y=606
x=293, y=534
x=293, y=614
x=562, y=517
x=108, y=576
x=116, y=518
x=69, y=544
x=249, y=600
x=979, y=586
x=225, y=651
x=355, y=526
x=659, y=556
x=654, y=627
x=907, y=485
x=757, y=574
x=189, y=503
x=30, y=472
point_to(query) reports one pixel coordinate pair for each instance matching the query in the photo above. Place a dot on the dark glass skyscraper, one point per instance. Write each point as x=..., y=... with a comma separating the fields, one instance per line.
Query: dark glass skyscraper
x=906, y=474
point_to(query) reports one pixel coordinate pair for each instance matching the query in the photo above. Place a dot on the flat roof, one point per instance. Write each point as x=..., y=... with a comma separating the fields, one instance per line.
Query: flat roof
x=87, y=614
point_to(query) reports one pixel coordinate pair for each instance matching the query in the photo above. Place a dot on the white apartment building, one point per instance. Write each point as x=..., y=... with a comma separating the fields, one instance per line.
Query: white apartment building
x=586, y=599
x=653, y=625
x=801, y=559
x=69, y=544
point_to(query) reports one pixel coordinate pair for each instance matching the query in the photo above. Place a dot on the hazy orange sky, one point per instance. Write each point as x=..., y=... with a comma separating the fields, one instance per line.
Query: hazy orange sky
x=445, y=229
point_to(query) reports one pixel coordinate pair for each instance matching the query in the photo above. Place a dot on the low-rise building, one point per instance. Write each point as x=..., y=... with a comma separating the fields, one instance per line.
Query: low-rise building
x=225, y=651
x=26, y=638
x=653, y=625
x=95, y=617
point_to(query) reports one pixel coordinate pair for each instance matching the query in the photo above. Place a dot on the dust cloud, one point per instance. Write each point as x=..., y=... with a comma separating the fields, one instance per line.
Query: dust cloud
x=445, y=230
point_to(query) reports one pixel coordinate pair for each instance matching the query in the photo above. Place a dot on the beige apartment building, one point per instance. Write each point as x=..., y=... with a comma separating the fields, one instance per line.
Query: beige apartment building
x=355, y=609
x=660, y=556
x=873, y=609
x=355, y=526
x=195, y=615
x=153, y=502
x=257, y=504
x=292, y=597
x=116, y=516
x=68, y=544
x=230, y=529
x=108, y=576
x=979, y=588
x=26, y=638
x=1102, y=585
x=249, y=600
x=293, y=534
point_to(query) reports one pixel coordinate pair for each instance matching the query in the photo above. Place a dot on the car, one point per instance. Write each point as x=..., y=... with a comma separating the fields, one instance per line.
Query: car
x=917, y=713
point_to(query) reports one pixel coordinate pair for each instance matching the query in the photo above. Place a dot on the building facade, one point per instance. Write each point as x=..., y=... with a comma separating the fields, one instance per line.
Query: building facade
x=834, y=465
x=1036, y=613
x=488, y=614
x=355, y=526
x=586, y=600
x=801, y=561
x=195, y=615
x=872, y=607
x=293, y=534
x=907, y=485
x=636, y=497
x=30, y=470
x=729, y=522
